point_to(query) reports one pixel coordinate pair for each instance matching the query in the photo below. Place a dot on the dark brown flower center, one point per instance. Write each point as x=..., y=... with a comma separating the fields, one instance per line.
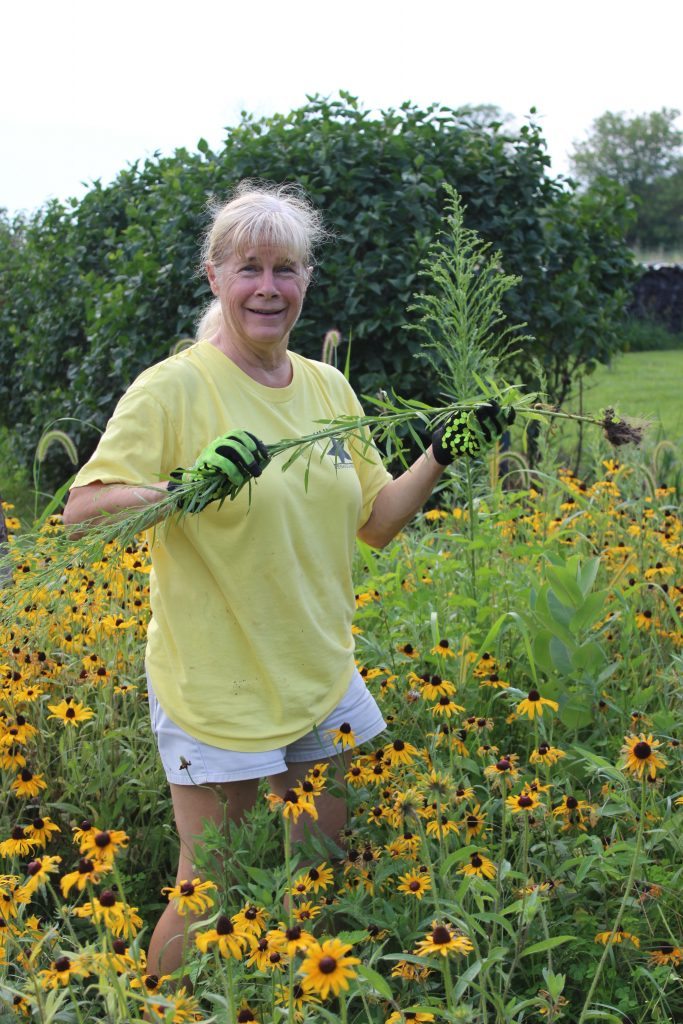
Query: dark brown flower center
x=533, y=695
x=62, y=964
x=642, y=750
x=441, y=935
x=187, y=889
x=327, y=965
x=224, y=925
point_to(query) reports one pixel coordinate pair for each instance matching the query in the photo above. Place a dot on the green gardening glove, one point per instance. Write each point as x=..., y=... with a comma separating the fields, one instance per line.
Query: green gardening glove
x=464, y=432
x=239, y=456
x=224, y=466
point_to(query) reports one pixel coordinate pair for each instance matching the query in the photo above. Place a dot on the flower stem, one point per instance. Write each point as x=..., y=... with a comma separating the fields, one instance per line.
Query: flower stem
x=622, y=905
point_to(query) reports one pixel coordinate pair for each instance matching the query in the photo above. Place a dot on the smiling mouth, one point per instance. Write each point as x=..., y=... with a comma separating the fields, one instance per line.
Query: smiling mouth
x=266, y=312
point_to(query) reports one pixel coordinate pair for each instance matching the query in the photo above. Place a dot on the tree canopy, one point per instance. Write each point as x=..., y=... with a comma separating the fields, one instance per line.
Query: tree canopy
x=644, y=154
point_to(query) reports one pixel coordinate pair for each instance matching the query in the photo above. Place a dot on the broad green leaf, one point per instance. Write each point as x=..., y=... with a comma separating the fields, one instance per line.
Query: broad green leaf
x=378, y=983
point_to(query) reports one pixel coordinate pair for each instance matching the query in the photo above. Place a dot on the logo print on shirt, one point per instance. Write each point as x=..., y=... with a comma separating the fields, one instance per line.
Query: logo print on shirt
x=341, y=457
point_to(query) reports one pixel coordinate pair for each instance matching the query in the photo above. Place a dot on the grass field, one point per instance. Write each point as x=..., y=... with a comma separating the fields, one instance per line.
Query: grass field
x=646, y=384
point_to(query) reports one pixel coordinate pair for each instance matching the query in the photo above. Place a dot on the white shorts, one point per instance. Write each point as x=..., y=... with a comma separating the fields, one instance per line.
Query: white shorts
x=214, y=764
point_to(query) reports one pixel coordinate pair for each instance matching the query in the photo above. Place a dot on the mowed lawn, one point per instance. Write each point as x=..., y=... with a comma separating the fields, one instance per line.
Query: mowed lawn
x=640, y=384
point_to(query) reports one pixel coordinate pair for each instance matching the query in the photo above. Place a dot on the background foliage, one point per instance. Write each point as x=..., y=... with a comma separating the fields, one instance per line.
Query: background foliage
x=644, y=154
x=99, y=288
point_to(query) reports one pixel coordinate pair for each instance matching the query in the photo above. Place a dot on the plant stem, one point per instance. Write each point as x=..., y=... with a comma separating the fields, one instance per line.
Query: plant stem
x=622, y=905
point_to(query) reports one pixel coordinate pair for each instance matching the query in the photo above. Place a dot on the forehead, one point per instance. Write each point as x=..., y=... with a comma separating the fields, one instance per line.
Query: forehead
x=264, y=254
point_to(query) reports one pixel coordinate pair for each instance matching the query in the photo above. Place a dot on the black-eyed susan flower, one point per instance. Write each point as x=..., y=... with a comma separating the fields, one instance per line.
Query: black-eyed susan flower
x=617, y=936
x=305, y=912
x=88, y=871
x=327, y=969
x=12, y=757
x=246, y=1014
x=446, y=706
x=641, y=752
x=38, y=873
x=443, y=649
x=503, y=772
x=226, y=937
x=70, y=712
x=190, y=897
x=479, y=865
x=545, y=753
x=474, y=822
x=101, y=846
x=290, y=941
x=250, y=919
x=408, y=650
x=292, y=804
x=533, y=704
x=644, y=619
x=410, y=1017
x=440, y=826
x=573, y=811
x=343, y=736
x=108, y=909
x=415, y=883
x=524, y=802
x=60, y=972
x=266, y=955
x=442, y=940
x=40, y=830
x=666, y=954
x=409, y=971
x=19, y=844
x=355, y=776
x=28, y=784
x=433, y=686
x=400, y=752
x=300, y=999
x=180, y=1008
x=321, y=877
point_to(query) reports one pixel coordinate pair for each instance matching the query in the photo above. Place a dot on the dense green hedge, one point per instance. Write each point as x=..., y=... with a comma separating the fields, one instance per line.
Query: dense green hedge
x=100, y=288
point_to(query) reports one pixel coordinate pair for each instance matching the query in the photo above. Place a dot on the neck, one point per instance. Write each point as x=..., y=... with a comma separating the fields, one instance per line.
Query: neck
x=270, y=366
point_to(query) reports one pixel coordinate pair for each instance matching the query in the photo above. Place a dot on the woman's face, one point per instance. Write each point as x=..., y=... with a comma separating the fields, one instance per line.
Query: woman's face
x=261, y=294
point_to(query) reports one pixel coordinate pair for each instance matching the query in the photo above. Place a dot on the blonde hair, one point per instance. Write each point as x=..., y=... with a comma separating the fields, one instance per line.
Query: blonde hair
x=209, y=321
x=261, y=213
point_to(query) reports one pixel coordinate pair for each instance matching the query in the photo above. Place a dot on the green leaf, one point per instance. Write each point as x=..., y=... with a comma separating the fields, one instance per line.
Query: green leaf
x=378, y=983
x=565, y=586
x=541, y=947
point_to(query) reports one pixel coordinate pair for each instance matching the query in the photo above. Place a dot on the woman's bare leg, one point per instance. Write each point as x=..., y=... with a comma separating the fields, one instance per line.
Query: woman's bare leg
x=192, y=807
x=332, y=810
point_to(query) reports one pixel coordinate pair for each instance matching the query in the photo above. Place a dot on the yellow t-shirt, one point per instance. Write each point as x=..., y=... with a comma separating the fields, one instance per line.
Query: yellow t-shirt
x=249, y=644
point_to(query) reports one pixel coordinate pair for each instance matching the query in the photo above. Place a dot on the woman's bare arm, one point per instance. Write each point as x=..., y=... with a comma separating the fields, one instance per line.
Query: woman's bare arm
x=95, y=502
x=400, y=499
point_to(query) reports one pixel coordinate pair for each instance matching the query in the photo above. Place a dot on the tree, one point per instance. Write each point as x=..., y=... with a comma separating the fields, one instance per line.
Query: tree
x=644, y=154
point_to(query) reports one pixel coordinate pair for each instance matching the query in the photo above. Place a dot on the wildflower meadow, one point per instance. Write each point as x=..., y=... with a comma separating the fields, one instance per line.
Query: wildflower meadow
x=513, y=849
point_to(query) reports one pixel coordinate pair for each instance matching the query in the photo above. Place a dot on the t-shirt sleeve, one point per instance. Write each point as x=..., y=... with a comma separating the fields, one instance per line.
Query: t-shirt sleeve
x=137, y=447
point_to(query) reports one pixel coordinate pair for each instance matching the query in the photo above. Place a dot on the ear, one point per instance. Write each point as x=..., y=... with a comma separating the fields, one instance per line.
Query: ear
x=212, y=275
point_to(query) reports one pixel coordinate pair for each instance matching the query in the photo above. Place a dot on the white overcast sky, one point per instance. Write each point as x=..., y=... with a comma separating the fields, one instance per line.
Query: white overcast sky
x=88, y=87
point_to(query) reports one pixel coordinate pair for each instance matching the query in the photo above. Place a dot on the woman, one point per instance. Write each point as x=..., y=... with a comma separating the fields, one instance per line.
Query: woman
x=250, y=651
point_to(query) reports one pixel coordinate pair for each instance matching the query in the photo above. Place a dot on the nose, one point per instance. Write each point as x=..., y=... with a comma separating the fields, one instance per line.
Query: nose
x=267, y=285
